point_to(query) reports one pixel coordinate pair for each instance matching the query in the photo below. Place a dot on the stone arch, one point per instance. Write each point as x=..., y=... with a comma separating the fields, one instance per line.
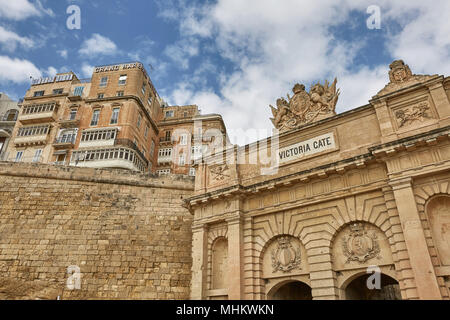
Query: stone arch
x=388, y=277
x=282, y=258
x=304, y=294
x=358, y=245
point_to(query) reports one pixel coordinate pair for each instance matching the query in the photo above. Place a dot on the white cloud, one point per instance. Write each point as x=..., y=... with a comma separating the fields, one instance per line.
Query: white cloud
x=63, y=53
x=51, y=71
x=17, y=71
x=87, y=70
x=98, y=45
x=182, y=51
x=10, y=40
x=272, y=45
x=22, y=9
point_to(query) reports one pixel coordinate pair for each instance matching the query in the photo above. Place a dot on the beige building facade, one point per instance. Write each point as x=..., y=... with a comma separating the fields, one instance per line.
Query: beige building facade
x=346, y=197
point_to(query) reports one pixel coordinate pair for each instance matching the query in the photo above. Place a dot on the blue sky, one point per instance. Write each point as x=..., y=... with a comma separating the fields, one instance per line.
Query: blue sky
x=233, y=57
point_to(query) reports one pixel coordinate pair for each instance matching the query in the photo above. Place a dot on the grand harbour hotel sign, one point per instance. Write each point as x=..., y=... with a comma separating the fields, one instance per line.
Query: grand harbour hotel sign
x=307, y=148
x=117, y=67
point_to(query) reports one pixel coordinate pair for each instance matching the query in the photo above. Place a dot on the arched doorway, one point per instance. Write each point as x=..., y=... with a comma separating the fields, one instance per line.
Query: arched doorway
x=358, y=289
x=294, y=290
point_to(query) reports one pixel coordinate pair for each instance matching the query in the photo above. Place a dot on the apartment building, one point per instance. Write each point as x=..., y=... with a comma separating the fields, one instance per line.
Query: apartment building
x=186, y=137
x=115, y=119
x=9, y=111
x=37, y=125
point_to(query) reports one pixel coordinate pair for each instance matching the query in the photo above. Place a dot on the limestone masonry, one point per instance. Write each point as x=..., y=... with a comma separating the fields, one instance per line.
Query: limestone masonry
x=98, y=198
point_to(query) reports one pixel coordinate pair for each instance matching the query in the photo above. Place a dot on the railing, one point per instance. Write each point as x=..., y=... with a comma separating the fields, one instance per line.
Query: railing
x=65, y=139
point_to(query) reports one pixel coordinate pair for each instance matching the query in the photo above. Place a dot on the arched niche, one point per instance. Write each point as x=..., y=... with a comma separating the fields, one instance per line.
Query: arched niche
x=219, y=263
x=438, y=212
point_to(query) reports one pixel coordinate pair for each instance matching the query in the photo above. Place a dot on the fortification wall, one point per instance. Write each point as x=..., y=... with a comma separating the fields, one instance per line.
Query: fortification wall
x=128, y=233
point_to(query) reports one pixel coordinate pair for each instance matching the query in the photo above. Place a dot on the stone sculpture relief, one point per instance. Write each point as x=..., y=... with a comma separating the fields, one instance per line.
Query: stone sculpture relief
x=400, y=76
x=360, y=245
x=285, y=257
x=304, y=107
x=409, y=115
x=220, y=172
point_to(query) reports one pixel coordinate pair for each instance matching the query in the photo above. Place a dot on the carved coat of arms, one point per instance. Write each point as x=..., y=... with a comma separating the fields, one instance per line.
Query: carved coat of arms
x=285, y=257
x=359, y=245
x=304, y=107
x=219, y=173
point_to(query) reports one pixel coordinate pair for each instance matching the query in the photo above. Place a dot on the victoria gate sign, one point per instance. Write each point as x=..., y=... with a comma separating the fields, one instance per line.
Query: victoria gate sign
x=307, y=148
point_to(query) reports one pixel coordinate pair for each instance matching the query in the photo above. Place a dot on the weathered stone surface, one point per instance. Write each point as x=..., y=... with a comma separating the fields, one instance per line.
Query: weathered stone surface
x=128, y=233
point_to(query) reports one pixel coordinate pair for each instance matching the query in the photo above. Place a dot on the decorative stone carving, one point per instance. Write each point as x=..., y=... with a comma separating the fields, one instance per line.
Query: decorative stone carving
x=220, y=172
x=400, y=76
x=285, y=257
x=359, y=245
x=417, y=112
x=400, y=72
x=304, y=107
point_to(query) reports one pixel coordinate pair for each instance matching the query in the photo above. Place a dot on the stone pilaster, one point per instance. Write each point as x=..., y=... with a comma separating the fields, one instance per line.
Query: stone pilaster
x=199, y=262
x=235, y=258
x=420, y=261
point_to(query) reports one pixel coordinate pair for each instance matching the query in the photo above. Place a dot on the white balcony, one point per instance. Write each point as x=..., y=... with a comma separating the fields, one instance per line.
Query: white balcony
x=31, y=140
x=165, y=160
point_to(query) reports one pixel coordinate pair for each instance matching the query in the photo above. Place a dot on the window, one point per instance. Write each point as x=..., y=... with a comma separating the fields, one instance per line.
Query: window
x=143, y=88
x=192, y=172
x=169, y=114
x=11, y=115
x=152, y=149
x=33, y=131
x=183, y=139
x=103, y=82
x=123, y=80
x=185, y=114
x=146, y=131
x=164, y=153
x=168, y=133
x=149, y=100
x=115, y=116
x=1, y=146
x=120, y=93
x=73, y=114
x=96, y=135
x=78, y=91
x=37, y=155
x=58, y=91
x=182, y=160
x=101, y=96
x=19, y=155
x=39, y=93
x=139, y=121
x=95, y=117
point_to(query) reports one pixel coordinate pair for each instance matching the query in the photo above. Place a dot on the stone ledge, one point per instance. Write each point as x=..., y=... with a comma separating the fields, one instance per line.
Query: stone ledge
x=109, y=176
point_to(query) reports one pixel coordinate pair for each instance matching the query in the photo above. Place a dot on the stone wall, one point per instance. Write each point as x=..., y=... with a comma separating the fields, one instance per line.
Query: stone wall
x=127, y=232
